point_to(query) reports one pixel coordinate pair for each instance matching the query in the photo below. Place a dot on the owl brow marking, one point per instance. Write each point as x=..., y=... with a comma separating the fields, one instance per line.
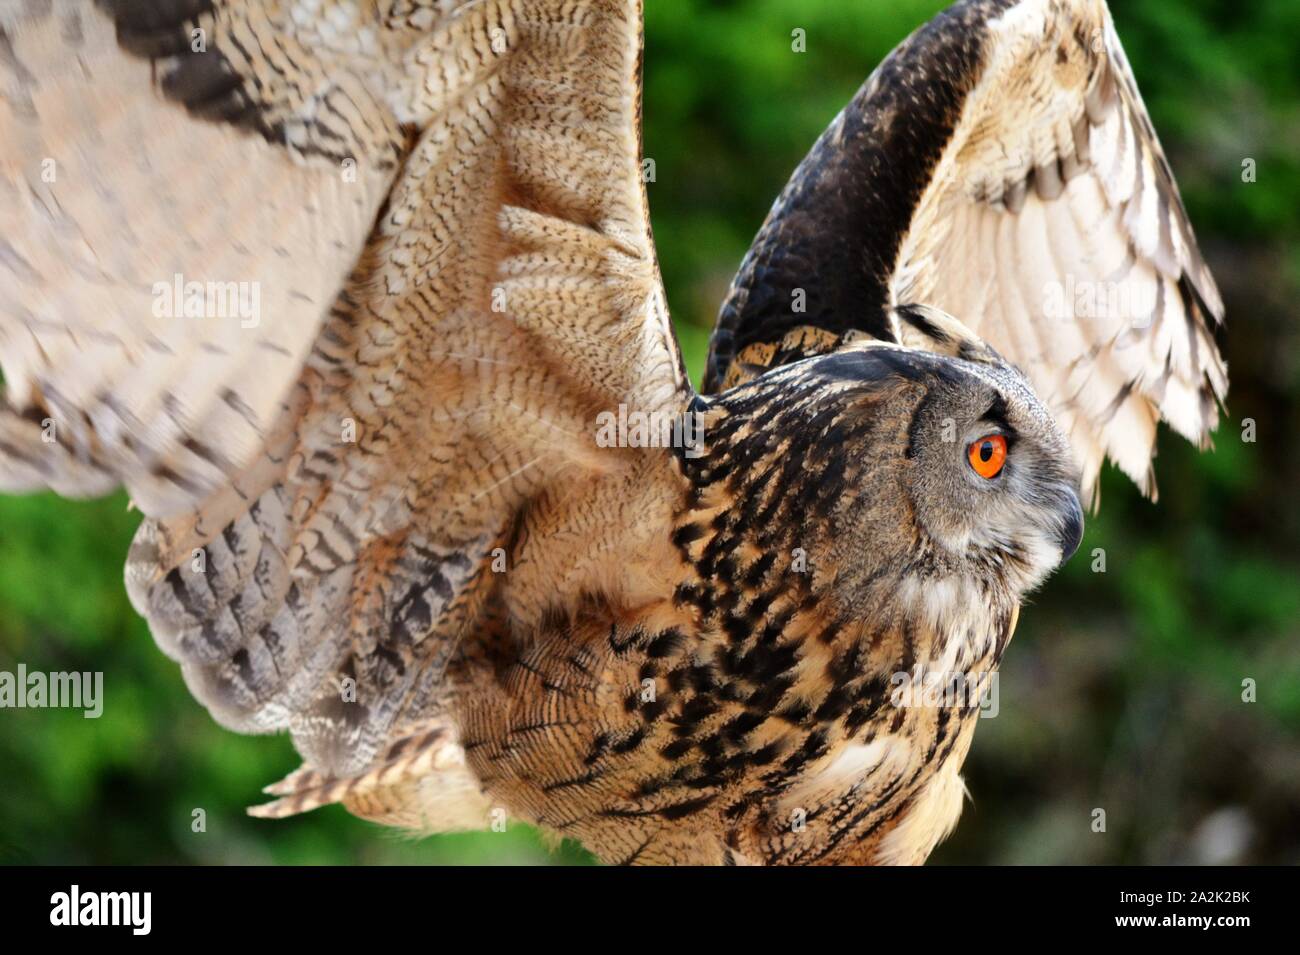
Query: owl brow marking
x=997, y=414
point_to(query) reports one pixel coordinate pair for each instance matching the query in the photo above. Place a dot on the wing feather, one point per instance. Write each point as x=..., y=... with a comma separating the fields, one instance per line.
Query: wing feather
x=494, y=292
x=1000, y=165
x=130, y=194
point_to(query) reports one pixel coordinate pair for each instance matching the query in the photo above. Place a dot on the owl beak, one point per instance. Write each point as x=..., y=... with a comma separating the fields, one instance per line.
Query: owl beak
x=1071, y=529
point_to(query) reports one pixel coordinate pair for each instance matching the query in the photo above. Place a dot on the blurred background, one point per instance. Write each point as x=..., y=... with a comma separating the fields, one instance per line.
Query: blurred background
x=1122, y=690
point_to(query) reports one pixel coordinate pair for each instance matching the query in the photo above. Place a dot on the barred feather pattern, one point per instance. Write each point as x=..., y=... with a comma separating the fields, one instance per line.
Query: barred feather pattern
x=320, y=526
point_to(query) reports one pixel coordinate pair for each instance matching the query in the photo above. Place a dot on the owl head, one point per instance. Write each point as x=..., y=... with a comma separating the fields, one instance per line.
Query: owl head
x=965, y=465
x=901, y=471
x=992, y=478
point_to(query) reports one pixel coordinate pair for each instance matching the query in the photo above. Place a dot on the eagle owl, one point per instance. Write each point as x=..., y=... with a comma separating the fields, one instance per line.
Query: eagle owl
x=358, y=300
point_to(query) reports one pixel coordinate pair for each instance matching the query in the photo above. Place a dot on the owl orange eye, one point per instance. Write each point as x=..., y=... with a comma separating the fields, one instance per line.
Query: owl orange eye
x=987, y=455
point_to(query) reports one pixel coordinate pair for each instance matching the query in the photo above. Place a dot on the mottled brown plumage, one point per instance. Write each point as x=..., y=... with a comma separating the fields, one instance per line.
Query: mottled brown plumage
x=386, y=514
x=716, y=724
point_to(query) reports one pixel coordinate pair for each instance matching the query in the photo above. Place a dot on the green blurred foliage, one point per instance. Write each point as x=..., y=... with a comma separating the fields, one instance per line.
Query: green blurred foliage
x=1123, y=689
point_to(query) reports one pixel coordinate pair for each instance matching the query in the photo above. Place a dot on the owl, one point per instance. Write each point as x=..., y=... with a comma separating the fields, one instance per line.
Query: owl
x=358, y=300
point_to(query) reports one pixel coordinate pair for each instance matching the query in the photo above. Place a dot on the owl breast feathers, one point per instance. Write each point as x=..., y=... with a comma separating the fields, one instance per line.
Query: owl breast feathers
x=361, y=306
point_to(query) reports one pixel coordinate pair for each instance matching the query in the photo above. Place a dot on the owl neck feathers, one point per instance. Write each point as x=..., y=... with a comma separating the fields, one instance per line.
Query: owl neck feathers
x=780, y=457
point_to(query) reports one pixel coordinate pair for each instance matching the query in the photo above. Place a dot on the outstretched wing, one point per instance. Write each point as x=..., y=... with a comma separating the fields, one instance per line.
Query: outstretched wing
x=501, y=291
x=999, y=165
x=151, y=147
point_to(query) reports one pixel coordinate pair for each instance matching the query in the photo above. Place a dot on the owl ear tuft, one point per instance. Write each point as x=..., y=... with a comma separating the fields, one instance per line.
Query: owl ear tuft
x=931, y=329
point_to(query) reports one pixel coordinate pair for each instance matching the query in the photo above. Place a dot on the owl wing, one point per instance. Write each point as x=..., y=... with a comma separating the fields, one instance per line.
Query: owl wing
x=1000, y=166
x=326, y=493
x=148, y=153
